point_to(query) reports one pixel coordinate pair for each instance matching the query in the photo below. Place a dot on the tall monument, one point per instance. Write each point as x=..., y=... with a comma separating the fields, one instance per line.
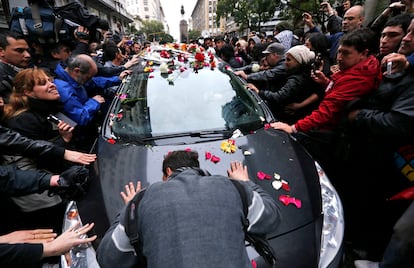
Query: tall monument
x=183, y=27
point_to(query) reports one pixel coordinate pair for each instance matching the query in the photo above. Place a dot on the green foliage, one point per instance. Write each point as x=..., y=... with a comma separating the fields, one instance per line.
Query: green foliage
x=132, y=29
x=293, y=9
x=166, y=37
x=152, y=28
x=194, y=34
x=248, y=14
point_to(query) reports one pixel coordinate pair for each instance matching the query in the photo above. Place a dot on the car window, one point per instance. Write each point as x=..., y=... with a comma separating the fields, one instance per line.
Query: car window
x=152, y=103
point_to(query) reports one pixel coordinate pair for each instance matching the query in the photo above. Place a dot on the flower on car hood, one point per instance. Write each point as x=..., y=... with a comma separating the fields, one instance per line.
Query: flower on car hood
x=228, y=146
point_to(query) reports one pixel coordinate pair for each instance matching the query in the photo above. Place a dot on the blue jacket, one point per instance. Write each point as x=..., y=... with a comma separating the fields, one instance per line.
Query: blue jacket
x=77, y=104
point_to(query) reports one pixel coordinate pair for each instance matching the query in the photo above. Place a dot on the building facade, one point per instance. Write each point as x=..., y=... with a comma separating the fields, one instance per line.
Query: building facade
x=203, y=17
x=145, y=10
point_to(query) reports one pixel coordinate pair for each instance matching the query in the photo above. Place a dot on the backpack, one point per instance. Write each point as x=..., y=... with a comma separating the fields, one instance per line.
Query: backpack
x=39, y=24
x=45, y=24
x=259, y=243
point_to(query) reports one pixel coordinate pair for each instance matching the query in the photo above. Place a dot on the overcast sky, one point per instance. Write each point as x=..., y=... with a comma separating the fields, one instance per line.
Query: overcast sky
x=172, y=12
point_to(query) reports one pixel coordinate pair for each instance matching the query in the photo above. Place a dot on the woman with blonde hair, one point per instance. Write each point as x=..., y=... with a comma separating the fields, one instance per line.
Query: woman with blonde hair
x=33, y=99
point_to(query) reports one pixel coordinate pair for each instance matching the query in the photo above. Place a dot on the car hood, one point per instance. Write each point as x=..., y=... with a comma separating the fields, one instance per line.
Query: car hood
x=265, y=151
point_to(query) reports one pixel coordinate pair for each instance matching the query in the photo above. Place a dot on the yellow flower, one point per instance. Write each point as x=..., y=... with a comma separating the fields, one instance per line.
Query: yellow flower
x=228, y=146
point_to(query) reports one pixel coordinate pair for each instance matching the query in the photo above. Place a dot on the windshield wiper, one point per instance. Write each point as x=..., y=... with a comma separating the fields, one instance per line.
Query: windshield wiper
x=222, y=133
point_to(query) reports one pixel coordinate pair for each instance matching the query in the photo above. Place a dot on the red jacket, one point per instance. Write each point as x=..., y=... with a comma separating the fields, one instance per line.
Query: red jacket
x=347, y=85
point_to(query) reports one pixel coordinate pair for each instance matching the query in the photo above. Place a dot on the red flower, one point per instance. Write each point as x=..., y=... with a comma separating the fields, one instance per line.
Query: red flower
x=261, y=175
x=199, y=57
x=267, y=126
x=208, y=155
x=215, y=159
x=285, y=186
x=165, y=54
x=111, y=141
x=254, y=264
x=287, y=199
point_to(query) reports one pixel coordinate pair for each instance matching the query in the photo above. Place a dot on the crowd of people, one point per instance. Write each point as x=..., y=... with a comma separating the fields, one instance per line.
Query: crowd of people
x=346, y=94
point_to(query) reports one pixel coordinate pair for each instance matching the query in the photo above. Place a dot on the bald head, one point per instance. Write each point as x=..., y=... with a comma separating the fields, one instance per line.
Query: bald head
x=353, y=18
x=82, y=68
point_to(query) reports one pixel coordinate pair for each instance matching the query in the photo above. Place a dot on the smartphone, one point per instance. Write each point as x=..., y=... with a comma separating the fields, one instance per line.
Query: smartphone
x=389, y=67
x=317, y=63
x=53, y=119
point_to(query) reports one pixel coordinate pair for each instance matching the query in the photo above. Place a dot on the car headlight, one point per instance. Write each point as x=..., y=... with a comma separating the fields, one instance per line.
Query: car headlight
x=83, y=255
x=333, y=220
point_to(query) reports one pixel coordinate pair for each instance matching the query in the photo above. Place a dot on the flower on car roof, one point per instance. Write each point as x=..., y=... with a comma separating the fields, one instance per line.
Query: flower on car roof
x=199, y=57
x=148, y=69
x=164, y=68
x=165, y=54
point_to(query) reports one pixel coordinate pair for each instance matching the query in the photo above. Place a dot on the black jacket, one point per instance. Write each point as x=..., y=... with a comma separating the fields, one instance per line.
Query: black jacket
x=298, y=87
x=272, y=79
x=20, y=255
x=386, y=117
x=12, y=142
x=7, y=74
x=33, y=124
x=17, y=182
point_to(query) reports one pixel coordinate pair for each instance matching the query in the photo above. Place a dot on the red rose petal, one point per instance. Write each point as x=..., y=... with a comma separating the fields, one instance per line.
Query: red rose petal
x=254, y=264
x=261, y=175
x=297, y=203
x=215, y=159
x=286, y=200
x=208, y=155
x=285, y=186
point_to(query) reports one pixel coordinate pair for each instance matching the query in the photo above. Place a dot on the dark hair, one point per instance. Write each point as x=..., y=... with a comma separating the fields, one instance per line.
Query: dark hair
x=283, y=25
x=110, y=52
x=402, y=20
x=360, y=39
x=227, y=52
x=319, y=42
x=3, y=37
x=178, y=159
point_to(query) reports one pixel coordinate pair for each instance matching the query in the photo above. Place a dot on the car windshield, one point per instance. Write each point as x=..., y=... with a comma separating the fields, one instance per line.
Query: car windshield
x=185, y=99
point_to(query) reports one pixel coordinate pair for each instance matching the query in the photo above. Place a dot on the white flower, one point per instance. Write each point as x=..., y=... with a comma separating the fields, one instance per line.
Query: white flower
x=170, y=78
x=255, y=67
x=164, y=68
